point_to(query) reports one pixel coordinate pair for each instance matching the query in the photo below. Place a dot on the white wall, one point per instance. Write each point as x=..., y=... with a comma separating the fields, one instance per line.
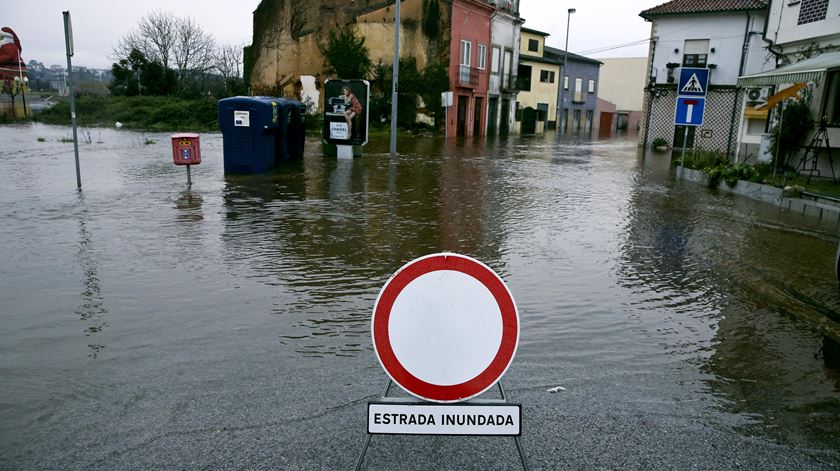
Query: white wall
x=622, y=82
x=725, y=33
x=504, y=33
x=783, y=30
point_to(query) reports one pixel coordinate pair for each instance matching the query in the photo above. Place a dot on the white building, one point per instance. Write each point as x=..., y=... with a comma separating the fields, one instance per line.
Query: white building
x=623, y=81
x=804, y=37
x=504, y=55
x=723, y=36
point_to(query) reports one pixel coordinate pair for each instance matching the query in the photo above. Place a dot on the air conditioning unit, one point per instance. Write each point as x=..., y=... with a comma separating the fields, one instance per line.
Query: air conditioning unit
x=757, y=96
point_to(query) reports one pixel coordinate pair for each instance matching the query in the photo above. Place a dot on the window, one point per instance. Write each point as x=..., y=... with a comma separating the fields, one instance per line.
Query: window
x=533, y=45
x=694, y=60
x=495, y=60
x=695, y=52
x=812, y=10
x=523, y=82
x=566, y=82
x=466, y=60
x=578, y=96
x=482, y=56
x=507, y=70
x=832, y=99
x=546, y=76
x=466, y=52
x=591, y=86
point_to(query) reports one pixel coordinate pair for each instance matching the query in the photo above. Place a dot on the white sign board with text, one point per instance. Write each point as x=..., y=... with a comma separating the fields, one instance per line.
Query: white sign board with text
x=439, y=419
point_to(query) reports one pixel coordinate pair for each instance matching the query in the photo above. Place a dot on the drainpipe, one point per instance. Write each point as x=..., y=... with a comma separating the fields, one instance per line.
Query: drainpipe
x=651, y=85
x=738, y=89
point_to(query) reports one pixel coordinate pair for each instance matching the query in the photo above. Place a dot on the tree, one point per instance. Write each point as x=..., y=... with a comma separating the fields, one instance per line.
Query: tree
x=136, y=75
x=789, y=135
x=154, y=36
x=435, y=80
x=126, y=74
x=174, y=43
x=431, y=19
x=346, y=54
x=195, y=50
x=229, y=61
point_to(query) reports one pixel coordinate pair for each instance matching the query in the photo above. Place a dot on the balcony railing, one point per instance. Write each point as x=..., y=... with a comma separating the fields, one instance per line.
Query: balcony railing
x=468, y=76
x=507, y=83
x=579, y=97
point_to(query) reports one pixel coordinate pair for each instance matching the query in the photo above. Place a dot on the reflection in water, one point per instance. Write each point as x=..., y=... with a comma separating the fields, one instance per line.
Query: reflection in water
x=189, y=205
x=331, y=232
x=659, y=295
x=92, y=308
x=744, y=268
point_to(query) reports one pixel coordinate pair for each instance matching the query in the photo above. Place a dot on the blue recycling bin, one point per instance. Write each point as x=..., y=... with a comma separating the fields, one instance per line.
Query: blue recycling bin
x=296, y=130
x=255, y=132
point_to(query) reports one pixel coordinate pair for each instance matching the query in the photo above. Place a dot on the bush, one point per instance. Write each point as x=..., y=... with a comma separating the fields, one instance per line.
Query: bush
x=659, y=142
x=796, y=121
x=152, y=113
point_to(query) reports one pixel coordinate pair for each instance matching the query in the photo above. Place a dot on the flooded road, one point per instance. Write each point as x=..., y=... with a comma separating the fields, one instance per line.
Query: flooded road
x=146, y=324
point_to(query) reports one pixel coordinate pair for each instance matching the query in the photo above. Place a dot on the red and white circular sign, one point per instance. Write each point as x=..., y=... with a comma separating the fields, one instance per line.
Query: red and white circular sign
x=445, y=327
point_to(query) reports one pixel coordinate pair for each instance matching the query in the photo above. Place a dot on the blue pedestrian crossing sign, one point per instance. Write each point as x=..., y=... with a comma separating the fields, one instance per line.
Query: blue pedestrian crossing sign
x=689, y=111
x=694, y=81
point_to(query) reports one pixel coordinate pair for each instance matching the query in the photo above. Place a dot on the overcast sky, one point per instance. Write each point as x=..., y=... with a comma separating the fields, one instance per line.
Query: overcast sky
x=99, y=24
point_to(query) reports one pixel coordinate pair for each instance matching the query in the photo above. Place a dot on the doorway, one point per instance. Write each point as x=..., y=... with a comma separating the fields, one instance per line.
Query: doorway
x=479, y=108
x=461, y=123
x=492, y=116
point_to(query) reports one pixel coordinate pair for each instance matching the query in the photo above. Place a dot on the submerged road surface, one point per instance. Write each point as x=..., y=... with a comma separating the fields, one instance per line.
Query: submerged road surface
x=149, y=325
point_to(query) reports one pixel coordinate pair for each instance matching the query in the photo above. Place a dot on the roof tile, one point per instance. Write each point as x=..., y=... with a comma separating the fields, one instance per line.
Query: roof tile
x=678, y=7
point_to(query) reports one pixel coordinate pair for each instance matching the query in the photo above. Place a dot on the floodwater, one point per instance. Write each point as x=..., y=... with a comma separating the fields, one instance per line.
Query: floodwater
x=146, y=324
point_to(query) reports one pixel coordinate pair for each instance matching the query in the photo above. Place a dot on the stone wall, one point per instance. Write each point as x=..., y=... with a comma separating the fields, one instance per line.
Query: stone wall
x=288, y=35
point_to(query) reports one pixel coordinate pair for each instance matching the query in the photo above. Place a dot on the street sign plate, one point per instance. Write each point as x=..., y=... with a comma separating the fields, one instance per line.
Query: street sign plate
x=419, y=418
x=445, y=327
x=693, y=81
x=689, y=111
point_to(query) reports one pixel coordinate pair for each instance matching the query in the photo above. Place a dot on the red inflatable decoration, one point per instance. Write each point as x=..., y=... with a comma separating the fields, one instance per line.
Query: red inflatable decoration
x=11, y=62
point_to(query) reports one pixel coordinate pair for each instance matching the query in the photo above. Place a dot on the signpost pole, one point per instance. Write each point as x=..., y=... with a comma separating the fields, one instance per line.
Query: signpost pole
x=516, y=438
x=394, y=87
x=682, y=159
x=367, y=440
x=68, y=42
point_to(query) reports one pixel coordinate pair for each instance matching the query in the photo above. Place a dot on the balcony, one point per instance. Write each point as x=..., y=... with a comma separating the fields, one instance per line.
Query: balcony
x=579, y=96
x=468, y=76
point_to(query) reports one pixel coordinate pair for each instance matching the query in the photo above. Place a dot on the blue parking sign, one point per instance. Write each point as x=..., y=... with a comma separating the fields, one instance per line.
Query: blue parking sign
x=694, y=81
x=689, y=111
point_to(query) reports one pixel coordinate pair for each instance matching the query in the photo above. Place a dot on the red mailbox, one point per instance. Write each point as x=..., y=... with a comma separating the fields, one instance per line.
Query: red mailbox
x=186, y=149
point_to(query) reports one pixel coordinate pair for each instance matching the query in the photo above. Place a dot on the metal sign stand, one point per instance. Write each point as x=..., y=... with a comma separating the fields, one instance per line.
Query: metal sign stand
x=503, y=400
x=344, y=152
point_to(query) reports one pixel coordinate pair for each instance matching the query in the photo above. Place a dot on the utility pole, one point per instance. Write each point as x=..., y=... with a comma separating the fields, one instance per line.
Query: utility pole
x=68, y=42
x=395, y=79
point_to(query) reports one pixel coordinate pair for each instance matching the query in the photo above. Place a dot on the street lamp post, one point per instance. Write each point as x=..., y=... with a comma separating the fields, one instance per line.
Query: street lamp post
x=394, y=82
x=563, y=117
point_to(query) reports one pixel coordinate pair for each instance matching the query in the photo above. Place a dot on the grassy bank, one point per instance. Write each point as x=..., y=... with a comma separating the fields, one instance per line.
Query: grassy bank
x=168, y=114
x=151, y=113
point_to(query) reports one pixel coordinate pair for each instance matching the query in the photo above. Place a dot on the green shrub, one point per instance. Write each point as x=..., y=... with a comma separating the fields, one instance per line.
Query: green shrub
x=153, y=113
x=659, y=142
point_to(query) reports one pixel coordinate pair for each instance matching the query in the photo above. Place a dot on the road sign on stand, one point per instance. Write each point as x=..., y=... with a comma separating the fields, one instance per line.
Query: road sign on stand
x=689, y=111
x=445, y=328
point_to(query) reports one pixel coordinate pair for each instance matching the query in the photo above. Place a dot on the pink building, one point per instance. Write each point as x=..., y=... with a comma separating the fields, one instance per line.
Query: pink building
x=469, y=67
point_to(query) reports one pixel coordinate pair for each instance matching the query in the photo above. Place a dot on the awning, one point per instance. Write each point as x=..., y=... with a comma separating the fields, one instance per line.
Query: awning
x=808, y=70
